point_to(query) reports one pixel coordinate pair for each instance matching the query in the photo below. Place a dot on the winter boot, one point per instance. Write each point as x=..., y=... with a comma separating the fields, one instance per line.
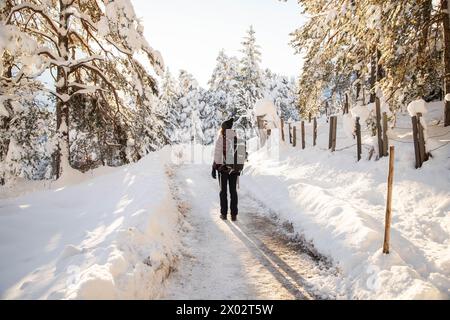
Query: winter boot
x=234, y=217
x=223, y=216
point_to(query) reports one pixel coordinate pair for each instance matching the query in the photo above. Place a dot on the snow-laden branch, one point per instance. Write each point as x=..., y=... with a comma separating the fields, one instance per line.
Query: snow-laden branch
x=71, y=65
x=37, y=10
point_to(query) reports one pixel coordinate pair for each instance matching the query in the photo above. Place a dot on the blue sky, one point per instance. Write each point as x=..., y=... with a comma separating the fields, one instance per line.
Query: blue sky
x=190, y=34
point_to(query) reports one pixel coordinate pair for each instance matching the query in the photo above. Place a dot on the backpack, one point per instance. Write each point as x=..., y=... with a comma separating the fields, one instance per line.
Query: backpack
x=239, y=156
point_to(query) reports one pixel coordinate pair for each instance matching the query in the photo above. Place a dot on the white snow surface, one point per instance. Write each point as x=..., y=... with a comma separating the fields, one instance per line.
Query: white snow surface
x=117, y=233
x=339, y=204
x=108, y=237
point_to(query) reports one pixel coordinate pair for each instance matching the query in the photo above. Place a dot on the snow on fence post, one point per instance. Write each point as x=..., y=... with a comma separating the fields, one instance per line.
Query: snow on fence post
x=282, y=129
x=378, y=124
x=294, y=136
x=387, y=229
x=314, y=131
x=358, y=138
x=303, y=135
x=416, y=141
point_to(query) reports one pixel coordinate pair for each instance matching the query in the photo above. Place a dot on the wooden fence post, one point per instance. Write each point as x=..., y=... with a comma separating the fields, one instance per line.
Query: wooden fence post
x=346, y=104
x=309, y=117
x=314, y=131
x=416, y=141
x=423, y=152
x=332, y=135
x=378, y=124
x=333, y=146
x=387, y=229
x=303, y=135
x=282, y=129
x=326, y=110
x=290, y=133
x=358, y=138
x=294, y=136
x=385, y=137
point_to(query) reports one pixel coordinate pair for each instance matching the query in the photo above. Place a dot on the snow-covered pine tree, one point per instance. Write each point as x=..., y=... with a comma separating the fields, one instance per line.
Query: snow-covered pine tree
x=168, y=106
x=25, y=137
x=223, y=84
x=25, y=122
x=89, y=47
x=250, y=81
x=211, y=115
x=189, y=105
x=283, y=92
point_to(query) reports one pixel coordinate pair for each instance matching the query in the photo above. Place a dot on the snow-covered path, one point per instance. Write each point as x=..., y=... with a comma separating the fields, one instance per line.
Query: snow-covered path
x=254, y=258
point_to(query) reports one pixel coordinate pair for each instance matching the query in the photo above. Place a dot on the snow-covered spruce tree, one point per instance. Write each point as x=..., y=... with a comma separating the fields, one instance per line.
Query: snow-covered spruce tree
x=149, y=133
x=25, y=131
x=168, y=105
x=223, y=84
x=250, y=81
x=189, y=106
x=25, y=122
x=283, y=92
x=211, y=116
x=89, y=48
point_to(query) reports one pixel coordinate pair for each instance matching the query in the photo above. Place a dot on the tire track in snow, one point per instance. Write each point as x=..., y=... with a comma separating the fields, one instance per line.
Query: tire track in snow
x=253, y=258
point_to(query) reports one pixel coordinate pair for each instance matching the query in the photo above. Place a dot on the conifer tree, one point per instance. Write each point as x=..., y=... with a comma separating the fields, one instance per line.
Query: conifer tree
x=251, y=85
x=88, y=47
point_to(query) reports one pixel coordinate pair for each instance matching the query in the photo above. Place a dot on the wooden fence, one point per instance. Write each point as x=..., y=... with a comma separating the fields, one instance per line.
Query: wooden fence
x=382, y=128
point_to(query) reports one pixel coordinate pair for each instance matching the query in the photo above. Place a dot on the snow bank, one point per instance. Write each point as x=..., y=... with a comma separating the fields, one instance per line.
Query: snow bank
x=339, y=204
x=113, y=236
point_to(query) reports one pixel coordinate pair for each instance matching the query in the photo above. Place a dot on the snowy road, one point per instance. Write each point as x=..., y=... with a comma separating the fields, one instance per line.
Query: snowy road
x=254, y=258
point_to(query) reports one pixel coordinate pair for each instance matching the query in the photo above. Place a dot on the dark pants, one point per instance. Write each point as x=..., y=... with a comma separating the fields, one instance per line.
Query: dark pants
x=230, y=180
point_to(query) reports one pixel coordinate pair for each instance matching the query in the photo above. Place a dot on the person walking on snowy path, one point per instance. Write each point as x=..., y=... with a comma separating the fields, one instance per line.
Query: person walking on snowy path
x=227, y=164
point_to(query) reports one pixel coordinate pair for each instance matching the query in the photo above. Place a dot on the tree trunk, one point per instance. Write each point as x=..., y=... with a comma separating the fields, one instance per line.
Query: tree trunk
x=5, y=123
x=446, y=28
x=373, y=78
x=380, y=71
x=358, y=86
x=422, y=66
x=61, y=157
x=376, y=74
